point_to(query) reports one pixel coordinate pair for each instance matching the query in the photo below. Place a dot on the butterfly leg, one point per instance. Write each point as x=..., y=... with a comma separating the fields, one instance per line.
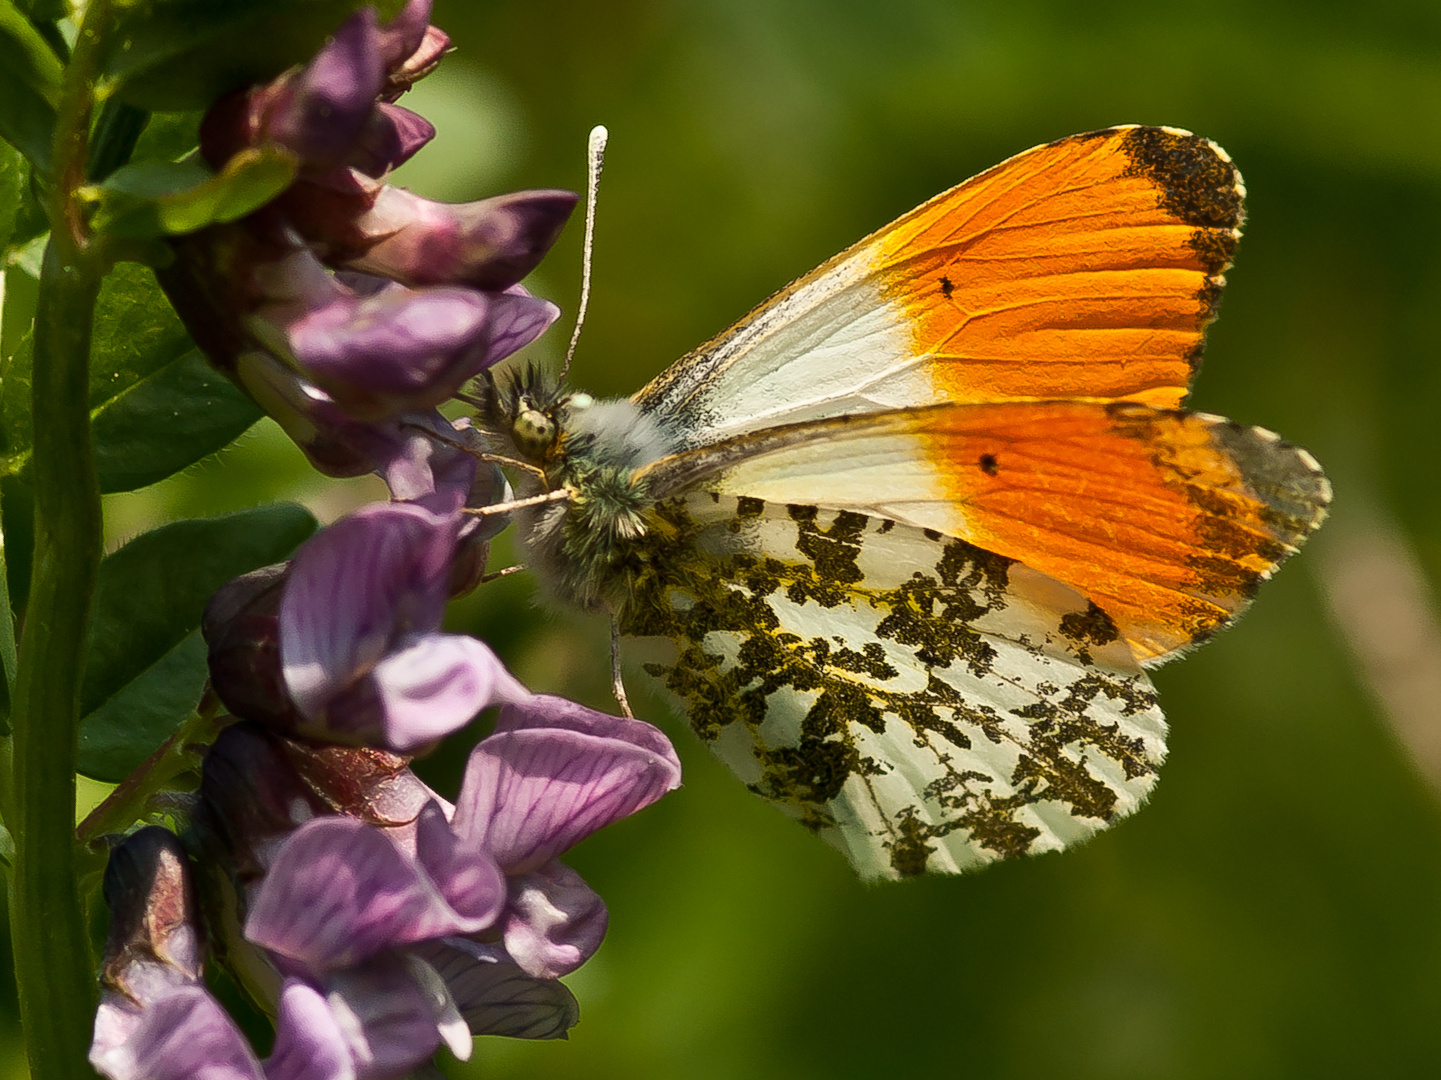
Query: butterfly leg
x=616, y=682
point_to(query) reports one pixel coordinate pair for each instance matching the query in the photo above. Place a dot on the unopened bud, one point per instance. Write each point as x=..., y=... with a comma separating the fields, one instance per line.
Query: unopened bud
x=152, y=914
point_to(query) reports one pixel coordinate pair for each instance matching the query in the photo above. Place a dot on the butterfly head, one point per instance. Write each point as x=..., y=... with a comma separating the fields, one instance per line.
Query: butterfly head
x=581, y=546
x=560, y=431
x=531, y=411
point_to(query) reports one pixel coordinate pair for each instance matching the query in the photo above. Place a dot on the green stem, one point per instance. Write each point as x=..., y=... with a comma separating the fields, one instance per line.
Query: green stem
x=54, y=969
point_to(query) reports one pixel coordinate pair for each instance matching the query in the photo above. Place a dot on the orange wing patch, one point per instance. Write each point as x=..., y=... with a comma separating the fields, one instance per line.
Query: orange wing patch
x=1086, y=268
x=1166, y=520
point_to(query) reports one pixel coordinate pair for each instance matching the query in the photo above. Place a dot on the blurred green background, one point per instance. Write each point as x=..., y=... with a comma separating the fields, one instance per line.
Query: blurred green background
x=1276, y=910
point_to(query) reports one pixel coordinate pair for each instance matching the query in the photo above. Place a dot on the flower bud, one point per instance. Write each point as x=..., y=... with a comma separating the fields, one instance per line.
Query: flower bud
x=241, y=627
x=152, y=913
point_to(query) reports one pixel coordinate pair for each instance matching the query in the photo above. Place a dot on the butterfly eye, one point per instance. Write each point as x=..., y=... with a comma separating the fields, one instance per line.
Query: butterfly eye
x=533, y=432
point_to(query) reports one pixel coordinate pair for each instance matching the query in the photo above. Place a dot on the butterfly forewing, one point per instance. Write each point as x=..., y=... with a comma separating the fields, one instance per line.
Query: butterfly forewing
x=918, y=702
x=1085, y=268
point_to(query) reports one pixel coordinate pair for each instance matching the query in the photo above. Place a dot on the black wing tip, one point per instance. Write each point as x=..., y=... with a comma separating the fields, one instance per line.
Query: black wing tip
x=1196, y=179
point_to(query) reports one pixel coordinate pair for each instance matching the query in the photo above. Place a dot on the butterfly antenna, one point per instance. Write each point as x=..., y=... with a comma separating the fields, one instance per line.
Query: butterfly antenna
x=617, y=683
x=595, y=161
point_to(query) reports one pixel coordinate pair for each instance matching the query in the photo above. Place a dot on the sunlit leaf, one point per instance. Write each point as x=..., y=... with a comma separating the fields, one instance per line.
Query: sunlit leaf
x=169, y=136
x=155, y=406
x=15, y=422
x=129, y=726
x=184, y=54
x=43, y=10
x=150, y=594
x=30, y=78
x=167, y=421
x=8, y=658
x=155, y=198
x=12, y=180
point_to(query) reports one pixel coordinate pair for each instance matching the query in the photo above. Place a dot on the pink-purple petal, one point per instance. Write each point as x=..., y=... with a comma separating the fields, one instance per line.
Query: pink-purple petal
x=541, y=711
x=391, y=137
x=309, y=1044
x=470, y=881
x=325, y=106
x=353, y=588
x=529, y=795
x=436, y=684
x=490, y=244
x=336, y=444
x=405, y=33
x=496, y=997
x=392, y=1021
x=517, y=319
x=339, y=892
x=395, y=349
x=554, y=921
x=183, y=1036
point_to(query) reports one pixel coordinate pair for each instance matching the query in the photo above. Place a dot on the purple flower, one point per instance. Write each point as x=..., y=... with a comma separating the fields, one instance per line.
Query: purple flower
x=417, y=453
x=346, y=304
x=338, y=893
x=553, y=773
x=374, y=919
x=392, y=927
x=362, y=654
x=267, y=823
x=375, y=897
x=386, y=230
x=156, y=1020
x=183, y=1035
x=241, y=627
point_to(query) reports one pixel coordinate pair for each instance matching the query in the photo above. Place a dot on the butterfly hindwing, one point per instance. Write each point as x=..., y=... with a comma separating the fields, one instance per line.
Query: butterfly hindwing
x=918, y=702
x=1167, y=520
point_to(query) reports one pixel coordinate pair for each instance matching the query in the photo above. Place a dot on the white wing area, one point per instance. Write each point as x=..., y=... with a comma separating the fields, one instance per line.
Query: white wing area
x=866, y=469
x=921, y=704
x=828, y=346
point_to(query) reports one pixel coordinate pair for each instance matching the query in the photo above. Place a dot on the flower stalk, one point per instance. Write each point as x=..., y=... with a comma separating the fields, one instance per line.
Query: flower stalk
x=53, y=965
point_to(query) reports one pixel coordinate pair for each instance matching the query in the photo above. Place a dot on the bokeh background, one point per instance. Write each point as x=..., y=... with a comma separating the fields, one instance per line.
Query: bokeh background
x=1276, y=910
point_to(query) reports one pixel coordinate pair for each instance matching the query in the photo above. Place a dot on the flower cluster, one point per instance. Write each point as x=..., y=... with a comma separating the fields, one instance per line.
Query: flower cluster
x=349, y=308
x=373, y=918
x=384, y=930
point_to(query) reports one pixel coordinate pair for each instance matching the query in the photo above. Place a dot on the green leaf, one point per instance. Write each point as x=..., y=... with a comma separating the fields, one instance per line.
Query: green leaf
x=151, y=593
x=155, y=407
x=8, y=656
x=167, y=421
x=12, y=188
x=114, y=137
x=155, y=198
x=184, y=54
x=126, y=729
x=30, y=222
x=44, y=10
x=15, y=422
x=30, y=77
x=169, y=136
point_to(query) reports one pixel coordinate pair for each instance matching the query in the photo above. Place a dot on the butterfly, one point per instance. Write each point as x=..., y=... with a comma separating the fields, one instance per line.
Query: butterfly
x=913, y=530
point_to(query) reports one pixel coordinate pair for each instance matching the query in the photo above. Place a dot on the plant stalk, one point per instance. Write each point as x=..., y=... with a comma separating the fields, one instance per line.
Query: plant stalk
x=54, y=971
x=54, y=968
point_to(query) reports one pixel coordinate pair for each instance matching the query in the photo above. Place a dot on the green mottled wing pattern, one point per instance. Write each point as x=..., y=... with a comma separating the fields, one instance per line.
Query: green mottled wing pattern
x=918, y=702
